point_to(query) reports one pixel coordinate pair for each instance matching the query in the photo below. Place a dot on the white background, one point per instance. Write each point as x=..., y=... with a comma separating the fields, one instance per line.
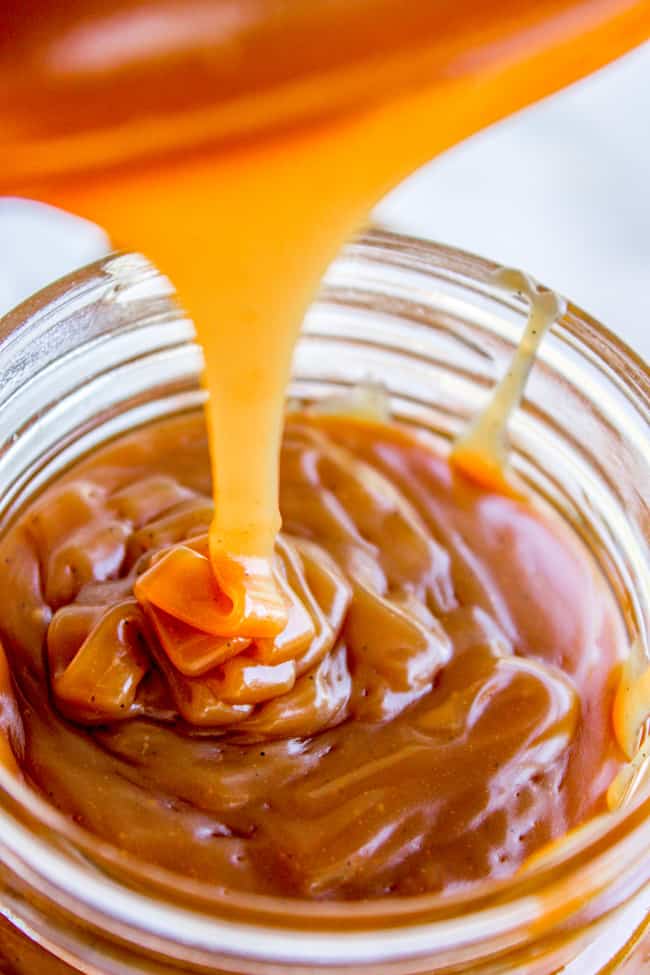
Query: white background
x=562, y=190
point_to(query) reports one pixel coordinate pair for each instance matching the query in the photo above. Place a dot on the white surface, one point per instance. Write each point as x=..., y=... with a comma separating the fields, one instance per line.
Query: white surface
x=561, y=190
x=39, y=244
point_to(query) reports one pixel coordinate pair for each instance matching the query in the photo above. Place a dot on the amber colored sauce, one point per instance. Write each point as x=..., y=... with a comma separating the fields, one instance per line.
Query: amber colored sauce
x=440, y=714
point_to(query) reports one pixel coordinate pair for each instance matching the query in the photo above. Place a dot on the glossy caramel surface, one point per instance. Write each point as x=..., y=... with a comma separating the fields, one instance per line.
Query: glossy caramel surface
x=437, y=711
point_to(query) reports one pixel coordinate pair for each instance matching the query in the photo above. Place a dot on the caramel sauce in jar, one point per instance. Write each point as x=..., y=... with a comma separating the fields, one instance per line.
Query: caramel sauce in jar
x=409, y=688
x=437, y=709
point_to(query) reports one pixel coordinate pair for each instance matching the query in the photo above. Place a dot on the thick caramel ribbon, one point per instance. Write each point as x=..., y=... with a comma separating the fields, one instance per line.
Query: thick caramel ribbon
x=482, y=452
x=241, y=600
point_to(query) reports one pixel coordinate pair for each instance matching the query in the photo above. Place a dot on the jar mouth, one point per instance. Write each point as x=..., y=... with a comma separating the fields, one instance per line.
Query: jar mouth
x=390, y=281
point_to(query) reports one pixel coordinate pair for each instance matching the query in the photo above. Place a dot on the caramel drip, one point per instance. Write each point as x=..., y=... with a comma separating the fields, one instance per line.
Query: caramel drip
x=481, y=452
x=631, y=716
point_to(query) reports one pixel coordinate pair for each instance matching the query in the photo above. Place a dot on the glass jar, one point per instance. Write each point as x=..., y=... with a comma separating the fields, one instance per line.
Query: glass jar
x=106, y=350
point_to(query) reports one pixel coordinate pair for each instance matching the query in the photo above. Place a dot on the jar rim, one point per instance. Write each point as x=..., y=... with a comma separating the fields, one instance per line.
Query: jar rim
x=333, y=931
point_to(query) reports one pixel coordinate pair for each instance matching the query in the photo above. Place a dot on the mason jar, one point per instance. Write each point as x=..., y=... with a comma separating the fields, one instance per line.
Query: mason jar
x=107, y=350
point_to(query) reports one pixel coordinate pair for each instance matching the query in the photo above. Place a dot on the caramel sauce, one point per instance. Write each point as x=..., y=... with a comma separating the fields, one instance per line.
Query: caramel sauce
x=437, y=711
